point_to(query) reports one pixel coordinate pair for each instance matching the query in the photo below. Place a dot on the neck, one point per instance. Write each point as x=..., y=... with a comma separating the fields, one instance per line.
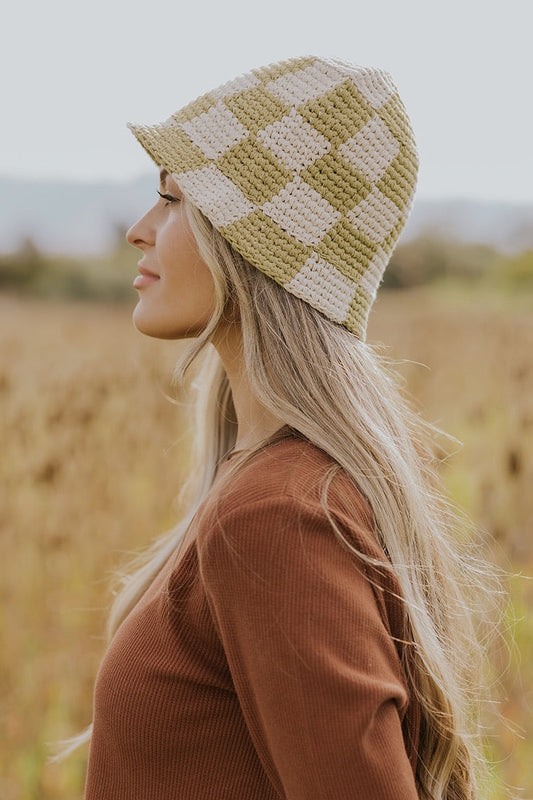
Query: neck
x=255, y=422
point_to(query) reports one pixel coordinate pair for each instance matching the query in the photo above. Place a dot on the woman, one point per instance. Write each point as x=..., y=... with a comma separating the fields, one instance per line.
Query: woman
x=304, y=632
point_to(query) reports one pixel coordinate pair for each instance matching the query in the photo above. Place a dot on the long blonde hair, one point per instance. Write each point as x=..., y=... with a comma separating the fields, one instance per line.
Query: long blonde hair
x=339, y=393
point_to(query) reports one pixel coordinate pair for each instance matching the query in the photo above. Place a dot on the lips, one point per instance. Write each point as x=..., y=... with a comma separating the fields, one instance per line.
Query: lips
x=145, y=271
x=145, y=278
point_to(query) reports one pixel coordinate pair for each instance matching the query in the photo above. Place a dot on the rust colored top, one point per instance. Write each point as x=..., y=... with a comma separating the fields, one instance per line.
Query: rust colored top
x=266, y=661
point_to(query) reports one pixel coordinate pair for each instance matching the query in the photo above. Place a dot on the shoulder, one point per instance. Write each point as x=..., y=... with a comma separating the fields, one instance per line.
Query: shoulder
x=281, y=494
x=267, y=527
x=292, y=471
x=295, y=466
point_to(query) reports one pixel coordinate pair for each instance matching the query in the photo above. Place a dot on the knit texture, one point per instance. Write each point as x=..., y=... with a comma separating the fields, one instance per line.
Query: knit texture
x=307, y=167
x=265, y=663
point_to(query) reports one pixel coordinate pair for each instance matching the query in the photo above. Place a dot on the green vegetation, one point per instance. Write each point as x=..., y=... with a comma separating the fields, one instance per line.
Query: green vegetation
x=431, y=258
x=29, y=272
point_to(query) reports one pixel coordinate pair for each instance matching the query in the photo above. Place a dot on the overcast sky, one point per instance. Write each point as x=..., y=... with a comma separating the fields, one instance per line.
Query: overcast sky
x=74, y=73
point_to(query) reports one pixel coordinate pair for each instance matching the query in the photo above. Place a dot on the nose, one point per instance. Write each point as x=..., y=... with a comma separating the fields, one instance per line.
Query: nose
x=140, y=235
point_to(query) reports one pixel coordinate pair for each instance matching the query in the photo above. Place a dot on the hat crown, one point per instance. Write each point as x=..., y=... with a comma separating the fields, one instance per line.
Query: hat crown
x=307, y=167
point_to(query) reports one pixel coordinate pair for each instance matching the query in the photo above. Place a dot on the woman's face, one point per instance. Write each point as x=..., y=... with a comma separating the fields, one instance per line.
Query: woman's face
x=176, y=289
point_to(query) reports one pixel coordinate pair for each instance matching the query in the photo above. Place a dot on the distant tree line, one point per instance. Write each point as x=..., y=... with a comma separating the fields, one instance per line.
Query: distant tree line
x=431, y=258
x=29, y=271
x=428, y=259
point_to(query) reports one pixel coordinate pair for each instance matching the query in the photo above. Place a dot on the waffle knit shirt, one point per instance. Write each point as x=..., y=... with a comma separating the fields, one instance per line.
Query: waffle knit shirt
x=266, y=662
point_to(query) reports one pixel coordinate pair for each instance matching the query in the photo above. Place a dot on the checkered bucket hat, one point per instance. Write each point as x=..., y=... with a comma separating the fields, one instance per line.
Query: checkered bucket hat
x=307, y=167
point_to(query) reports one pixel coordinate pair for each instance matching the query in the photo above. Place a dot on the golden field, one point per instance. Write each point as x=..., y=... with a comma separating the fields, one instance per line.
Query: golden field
x=93, y=455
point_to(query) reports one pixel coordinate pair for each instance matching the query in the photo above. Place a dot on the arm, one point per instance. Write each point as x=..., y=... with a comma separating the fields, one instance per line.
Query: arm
x=313, y=663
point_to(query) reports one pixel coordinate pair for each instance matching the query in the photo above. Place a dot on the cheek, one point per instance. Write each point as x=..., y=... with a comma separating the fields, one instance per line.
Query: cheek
x=185, y=270
x=181, y=303
x=204, y=285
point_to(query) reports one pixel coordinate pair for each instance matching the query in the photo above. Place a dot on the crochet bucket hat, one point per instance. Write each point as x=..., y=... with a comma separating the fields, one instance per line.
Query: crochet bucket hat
x=307, y=168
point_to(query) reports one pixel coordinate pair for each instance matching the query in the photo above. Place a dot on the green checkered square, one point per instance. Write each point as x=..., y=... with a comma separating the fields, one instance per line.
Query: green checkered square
x=254, y=235
x=256, y=108
x=337, y=182
x=254, y=169
x=338, y=114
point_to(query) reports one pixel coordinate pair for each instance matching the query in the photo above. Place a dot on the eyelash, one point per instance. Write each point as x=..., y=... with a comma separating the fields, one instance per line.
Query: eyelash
x=169, y=198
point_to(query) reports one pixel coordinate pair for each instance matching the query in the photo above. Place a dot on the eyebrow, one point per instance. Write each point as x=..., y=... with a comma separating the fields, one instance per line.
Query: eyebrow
x=163, y=176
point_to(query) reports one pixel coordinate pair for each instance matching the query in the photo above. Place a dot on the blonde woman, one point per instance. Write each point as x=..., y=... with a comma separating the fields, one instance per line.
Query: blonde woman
x=304, y=632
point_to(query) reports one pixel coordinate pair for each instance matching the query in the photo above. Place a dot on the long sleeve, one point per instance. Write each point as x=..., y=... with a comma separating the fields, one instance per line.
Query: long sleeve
x=310, y=652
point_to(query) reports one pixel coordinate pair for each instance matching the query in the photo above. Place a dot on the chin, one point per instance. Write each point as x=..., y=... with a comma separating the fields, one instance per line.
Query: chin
x=159, y=327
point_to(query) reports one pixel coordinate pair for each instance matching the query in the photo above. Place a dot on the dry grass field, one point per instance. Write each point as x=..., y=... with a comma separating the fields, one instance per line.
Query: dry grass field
x=93, y=455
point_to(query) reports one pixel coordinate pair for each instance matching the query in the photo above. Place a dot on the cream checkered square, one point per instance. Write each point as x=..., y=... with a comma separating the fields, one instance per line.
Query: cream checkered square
x=375, y=216
x=302, y=212
x=372, y=149
x=218, y=197
x=215, y=131
x=296, y=143
x=319, y=282
x=296, y=88
x=375, y=92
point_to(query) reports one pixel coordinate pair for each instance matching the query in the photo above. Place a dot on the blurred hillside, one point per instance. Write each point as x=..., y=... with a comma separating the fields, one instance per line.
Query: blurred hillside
x=82, y=218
